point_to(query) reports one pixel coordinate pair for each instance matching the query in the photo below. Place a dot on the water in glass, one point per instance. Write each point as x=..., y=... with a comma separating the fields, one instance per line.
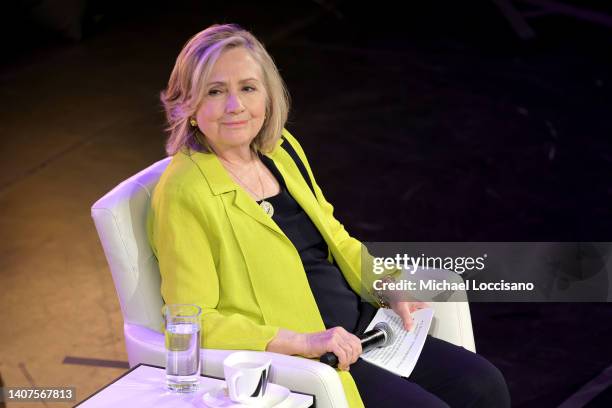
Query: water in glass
x=183, y=356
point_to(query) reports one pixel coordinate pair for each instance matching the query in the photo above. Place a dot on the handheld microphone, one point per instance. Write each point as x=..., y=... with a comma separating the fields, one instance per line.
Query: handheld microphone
x=380, y=336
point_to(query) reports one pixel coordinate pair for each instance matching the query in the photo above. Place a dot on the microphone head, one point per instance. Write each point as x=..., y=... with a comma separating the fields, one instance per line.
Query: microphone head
x=386, y=329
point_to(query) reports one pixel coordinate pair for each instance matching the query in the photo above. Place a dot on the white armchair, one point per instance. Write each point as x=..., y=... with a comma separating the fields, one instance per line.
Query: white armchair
x=120, y=218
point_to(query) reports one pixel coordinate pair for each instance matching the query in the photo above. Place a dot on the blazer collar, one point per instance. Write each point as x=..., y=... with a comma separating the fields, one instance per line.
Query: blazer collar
x=215, y=174
x=220, y=183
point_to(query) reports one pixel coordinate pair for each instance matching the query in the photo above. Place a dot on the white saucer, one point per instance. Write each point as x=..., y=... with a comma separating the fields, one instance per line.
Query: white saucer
x=219, y=398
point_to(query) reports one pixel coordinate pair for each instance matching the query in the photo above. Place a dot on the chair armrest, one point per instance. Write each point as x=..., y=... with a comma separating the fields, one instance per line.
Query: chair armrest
x=144, y=345
x=453, y=323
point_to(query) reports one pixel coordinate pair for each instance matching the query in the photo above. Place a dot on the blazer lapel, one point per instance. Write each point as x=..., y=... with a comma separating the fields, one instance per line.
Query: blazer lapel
x=221, y=183
x=250, y=207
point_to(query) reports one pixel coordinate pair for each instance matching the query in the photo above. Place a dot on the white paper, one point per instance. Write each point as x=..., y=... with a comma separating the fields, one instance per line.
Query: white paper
x=401, y=356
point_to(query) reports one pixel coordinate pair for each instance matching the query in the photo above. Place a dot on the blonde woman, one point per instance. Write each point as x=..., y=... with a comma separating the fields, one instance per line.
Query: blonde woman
x=241, y=228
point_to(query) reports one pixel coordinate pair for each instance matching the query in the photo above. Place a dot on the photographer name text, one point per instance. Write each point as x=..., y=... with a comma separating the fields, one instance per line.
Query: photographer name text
x=443, y=285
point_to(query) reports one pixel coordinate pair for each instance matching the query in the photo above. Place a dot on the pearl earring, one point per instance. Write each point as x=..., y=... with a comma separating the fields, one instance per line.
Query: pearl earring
x=193, y=122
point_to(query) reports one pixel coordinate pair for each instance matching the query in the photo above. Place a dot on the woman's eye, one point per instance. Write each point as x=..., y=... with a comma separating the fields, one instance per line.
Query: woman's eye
x=214, y=92
x=249, y=88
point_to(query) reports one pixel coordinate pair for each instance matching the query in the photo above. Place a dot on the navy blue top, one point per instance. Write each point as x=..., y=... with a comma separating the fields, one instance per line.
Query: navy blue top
x=338, y=304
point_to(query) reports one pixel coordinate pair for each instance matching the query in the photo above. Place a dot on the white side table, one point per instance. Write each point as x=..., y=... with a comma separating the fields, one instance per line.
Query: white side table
x=145, y=386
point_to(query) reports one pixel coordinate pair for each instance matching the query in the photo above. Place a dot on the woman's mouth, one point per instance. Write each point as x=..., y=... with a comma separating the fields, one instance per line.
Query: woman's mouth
x=235, y=124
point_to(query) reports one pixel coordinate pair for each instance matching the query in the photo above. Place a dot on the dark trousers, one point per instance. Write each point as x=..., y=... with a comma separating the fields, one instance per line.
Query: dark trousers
x=445, y=376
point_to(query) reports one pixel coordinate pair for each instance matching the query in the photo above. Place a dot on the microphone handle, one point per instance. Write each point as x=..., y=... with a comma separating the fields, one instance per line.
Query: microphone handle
x=370, y=340
x=330, y=359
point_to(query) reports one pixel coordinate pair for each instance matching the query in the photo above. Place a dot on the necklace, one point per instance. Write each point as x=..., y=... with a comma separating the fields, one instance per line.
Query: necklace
x=266, y=206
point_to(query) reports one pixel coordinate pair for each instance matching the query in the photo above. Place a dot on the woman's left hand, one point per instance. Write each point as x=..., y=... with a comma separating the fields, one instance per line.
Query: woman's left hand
x=404, y=310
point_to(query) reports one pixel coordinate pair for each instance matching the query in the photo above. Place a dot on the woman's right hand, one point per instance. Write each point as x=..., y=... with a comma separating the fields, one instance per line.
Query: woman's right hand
x=345, y=345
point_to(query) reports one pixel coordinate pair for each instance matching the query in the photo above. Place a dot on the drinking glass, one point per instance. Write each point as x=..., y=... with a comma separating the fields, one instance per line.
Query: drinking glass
x=182, y=335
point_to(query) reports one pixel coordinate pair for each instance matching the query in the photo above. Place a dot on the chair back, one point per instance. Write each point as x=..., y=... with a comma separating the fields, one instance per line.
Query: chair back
x=120, y=219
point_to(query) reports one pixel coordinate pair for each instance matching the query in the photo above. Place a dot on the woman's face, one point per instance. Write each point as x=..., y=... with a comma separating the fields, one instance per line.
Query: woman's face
x=234, y=105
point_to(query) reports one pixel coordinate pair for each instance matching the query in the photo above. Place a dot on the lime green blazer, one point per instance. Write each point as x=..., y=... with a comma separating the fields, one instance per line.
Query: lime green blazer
x=217, y=248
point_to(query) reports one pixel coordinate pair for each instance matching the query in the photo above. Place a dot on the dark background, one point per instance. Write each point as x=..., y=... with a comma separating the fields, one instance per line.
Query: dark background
x=430, y=122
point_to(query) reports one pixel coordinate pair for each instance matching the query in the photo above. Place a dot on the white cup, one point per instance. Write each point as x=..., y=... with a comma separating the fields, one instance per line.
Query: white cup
x=246, y=375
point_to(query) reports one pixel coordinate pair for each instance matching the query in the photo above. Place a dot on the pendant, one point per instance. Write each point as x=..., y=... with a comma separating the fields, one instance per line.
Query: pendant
x=267, y=207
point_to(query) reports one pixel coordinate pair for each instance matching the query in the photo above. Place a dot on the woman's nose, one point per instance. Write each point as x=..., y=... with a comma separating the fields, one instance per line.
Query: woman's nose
x=234, y=104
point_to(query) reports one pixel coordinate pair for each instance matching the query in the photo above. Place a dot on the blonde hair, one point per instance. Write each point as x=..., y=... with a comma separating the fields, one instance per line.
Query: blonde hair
x=186, y=89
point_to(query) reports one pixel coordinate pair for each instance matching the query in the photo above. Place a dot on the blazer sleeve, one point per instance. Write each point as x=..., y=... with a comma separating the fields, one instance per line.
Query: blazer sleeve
x=353, y=250
x=177, y=233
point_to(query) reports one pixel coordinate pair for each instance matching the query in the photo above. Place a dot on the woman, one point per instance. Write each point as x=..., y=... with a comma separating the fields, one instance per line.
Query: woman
x=241, y=228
